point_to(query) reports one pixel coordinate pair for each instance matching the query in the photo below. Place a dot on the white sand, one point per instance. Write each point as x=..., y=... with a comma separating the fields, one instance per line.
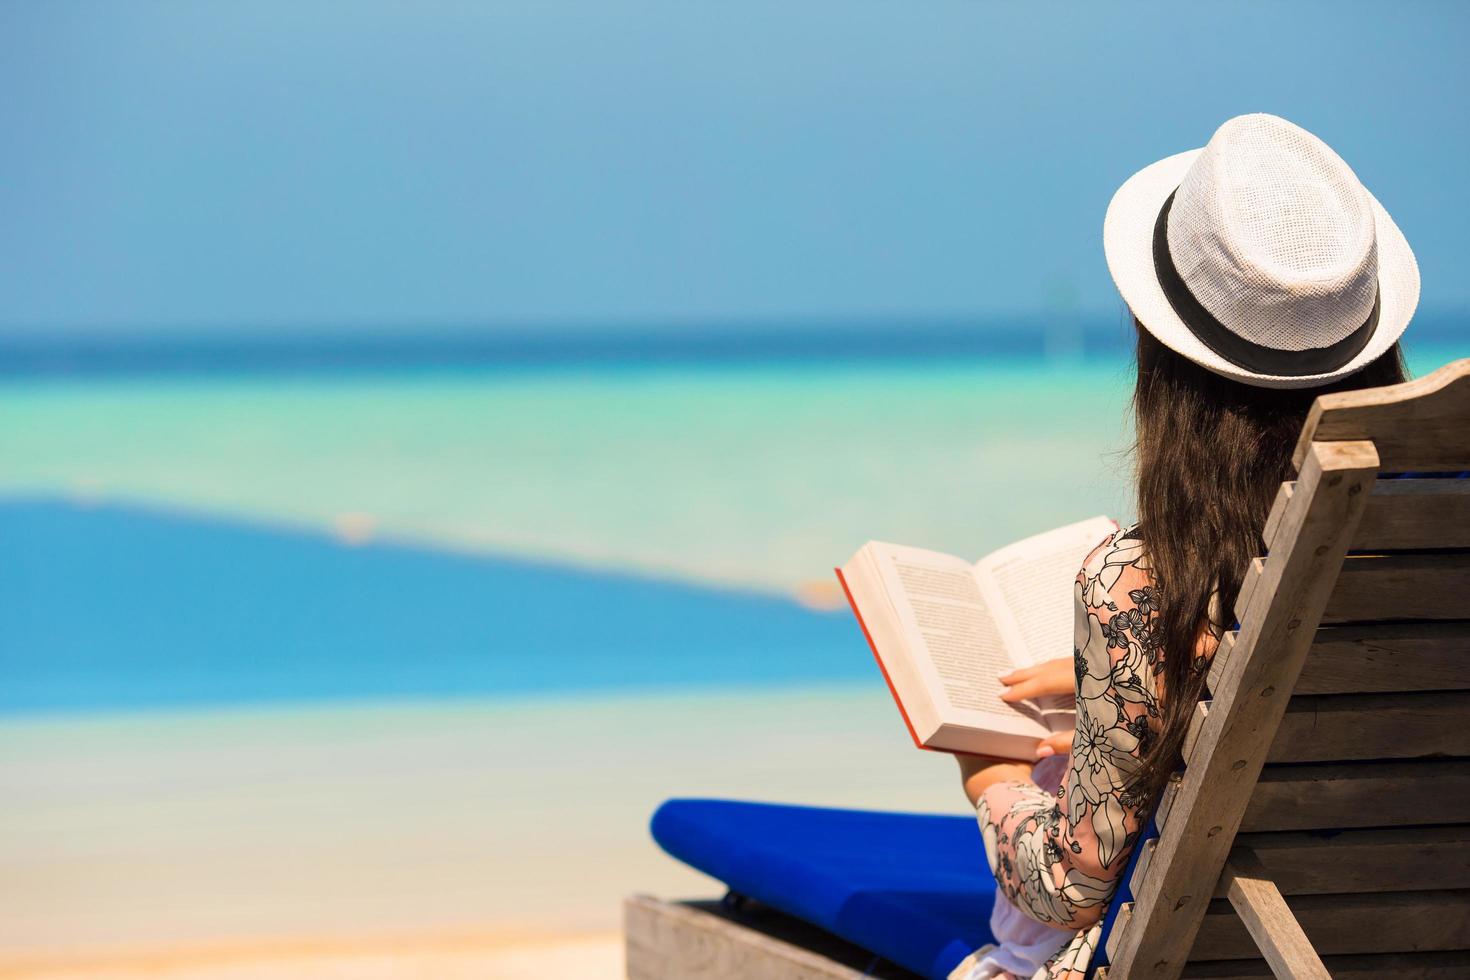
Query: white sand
x=597, y=956
x=175, y=831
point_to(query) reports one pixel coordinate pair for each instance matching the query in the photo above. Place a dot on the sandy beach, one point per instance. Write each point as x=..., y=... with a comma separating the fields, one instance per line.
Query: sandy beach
x=510, y=956
x=368, y=840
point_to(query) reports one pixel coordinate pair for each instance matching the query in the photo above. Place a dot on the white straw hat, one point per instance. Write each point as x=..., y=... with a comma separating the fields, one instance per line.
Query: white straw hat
x=1262, y=257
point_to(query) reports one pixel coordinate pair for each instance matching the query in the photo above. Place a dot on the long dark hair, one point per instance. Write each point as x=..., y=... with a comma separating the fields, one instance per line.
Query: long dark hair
x=1209, y=456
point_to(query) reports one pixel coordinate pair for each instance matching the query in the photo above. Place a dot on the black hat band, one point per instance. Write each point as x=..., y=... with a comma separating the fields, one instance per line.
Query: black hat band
x=1253, y=357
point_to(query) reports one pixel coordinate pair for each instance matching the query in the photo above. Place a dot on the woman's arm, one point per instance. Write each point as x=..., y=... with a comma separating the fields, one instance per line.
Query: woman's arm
x=979, y=772
x=1058, y=856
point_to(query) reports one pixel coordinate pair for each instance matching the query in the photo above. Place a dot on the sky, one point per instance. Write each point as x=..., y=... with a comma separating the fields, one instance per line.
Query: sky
x=570, y=165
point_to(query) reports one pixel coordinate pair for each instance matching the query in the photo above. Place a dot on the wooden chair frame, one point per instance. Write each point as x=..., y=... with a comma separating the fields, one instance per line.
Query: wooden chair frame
x=1306, y=580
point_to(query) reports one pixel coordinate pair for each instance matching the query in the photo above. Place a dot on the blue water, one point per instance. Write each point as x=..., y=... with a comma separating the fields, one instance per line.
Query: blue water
x=529, y=532
x=759, y=344
x=118, y=607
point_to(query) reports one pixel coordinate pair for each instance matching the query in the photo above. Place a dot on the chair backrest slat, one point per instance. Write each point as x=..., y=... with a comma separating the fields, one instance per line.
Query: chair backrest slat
x=1402, y=515
x=1408, y=514
x=1338, y=924
x=1329, y=796
x=1374, y=859
x=1394, y=586
x=1356, y=727
x=1353, y=727
x=1376, y=658
x=1380, y=966
x=1415, y=585
x=1416, y=427
x=1333, y=749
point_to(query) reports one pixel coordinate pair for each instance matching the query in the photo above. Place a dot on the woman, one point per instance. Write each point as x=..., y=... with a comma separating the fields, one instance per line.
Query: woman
x=1261, y=274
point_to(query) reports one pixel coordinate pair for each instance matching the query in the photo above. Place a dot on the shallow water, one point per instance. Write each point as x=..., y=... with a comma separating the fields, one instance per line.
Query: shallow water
x=118, y=608
x=746, y=476
x=219, y=540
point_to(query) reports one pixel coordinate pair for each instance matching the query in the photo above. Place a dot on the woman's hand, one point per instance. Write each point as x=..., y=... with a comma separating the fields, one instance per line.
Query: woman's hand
x=1057, y=744
x=1049, y=678
x=1052, y=678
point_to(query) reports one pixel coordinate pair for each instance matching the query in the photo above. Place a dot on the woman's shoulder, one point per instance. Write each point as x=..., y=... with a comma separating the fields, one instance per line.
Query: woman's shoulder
x=1116, y=567
x=1122, y=546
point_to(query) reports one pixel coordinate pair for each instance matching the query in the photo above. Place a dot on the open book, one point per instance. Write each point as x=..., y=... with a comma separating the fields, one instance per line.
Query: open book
x=943, y=629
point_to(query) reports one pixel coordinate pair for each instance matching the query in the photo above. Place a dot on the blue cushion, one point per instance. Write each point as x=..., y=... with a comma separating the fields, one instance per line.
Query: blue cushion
x=913, y=888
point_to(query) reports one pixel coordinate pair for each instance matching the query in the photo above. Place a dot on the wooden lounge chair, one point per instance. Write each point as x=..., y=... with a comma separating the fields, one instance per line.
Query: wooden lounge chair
x=1321, y=824
x=1323, y=814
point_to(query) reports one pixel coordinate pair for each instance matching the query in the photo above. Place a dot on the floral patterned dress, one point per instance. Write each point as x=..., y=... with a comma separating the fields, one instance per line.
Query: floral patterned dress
x=1058, y=856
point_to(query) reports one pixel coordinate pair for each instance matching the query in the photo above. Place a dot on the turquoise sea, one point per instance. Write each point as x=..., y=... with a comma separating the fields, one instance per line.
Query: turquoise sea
x=490, y=532
x=221, y=539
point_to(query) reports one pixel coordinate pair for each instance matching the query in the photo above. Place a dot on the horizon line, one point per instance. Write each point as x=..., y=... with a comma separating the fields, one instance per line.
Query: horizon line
x=330, y=348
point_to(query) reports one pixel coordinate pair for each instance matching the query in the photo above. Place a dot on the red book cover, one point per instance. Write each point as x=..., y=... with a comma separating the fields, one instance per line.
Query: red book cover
x=882, y=669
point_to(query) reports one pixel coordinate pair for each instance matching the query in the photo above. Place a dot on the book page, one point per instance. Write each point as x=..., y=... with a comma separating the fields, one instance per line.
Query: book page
x=938, y=600
x=1032, y=583
x=1033, y=580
